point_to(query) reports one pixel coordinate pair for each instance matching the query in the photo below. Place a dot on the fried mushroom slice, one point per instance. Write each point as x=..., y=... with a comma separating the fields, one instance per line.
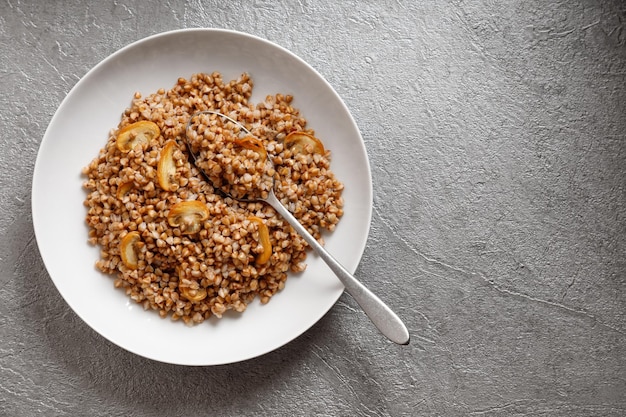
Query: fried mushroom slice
x=137, y=134
x=193, y=295
x=300, y=142
x=188, y=216
x=128, y=250
x=264, y=240
x=166, y=168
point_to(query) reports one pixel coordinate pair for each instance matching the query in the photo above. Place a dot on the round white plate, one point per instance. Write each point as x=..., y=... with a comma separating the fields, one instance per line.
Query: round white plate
x=79, y=129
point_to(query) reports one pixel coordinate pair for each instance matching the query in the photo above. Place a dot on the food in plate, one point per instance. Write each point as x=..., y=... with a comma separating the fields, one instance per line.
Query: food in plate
x=235, y=161
x=172, y=241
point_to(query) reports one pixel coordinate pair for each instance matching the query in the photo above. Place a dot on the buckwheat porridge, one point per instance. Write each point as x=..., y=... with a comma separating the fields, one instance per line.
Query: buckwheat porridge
x=173, y=242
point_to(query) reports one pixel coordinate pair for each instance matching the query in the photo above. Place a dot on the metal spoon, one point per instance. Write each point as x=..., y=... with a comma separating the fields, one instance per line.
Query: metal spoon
x=379, y=313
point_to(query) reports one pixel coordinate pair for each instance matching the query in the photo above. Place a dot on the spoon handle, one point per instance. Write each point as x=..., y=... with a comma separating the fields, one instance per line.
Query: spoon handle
x=379, y=313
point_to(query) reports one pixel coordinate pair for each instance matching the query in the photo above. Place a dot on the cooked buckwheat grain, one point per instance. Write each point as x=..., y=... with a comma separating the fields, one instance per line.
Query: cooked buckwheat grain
x=191, y=276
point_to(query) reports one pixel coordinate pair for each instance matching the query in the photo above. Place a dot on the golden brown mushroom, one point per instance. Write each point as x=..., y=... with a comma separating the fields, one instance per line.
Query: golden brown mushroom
x=166, y=168
x=188, y=215
x=124, y=189
x=300, y=142
x=193, y=295
x=128, y=250
x=252, y=143
x=138, y=133
x=264, y=239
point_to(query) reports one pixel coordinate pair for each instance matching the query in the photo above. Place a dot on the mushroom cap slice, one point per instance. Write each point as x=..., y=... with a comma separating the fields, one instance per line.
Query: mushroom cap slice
x=128, y=250
x=188, y=215
x=193, y=295
x=264, y=240
x=300, y=142
x=252, y=143
x=124, y=189
x=166, y=168
x=138, y=133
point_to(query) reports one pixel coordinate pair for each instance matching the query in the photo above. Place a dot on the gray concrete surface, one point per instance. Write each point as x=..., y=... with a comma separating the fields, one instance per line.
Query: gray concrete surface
x=496, y=133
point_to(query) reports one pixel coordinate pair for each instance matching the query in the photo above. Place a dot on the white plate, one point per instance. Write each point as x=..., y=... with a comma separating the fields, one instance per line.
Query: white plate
x=79, y=129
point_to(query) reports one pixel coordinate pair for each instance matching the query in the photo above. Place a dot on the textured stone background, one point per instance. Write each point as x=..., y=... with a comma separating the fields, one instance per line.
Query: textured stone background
x=497, y=137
